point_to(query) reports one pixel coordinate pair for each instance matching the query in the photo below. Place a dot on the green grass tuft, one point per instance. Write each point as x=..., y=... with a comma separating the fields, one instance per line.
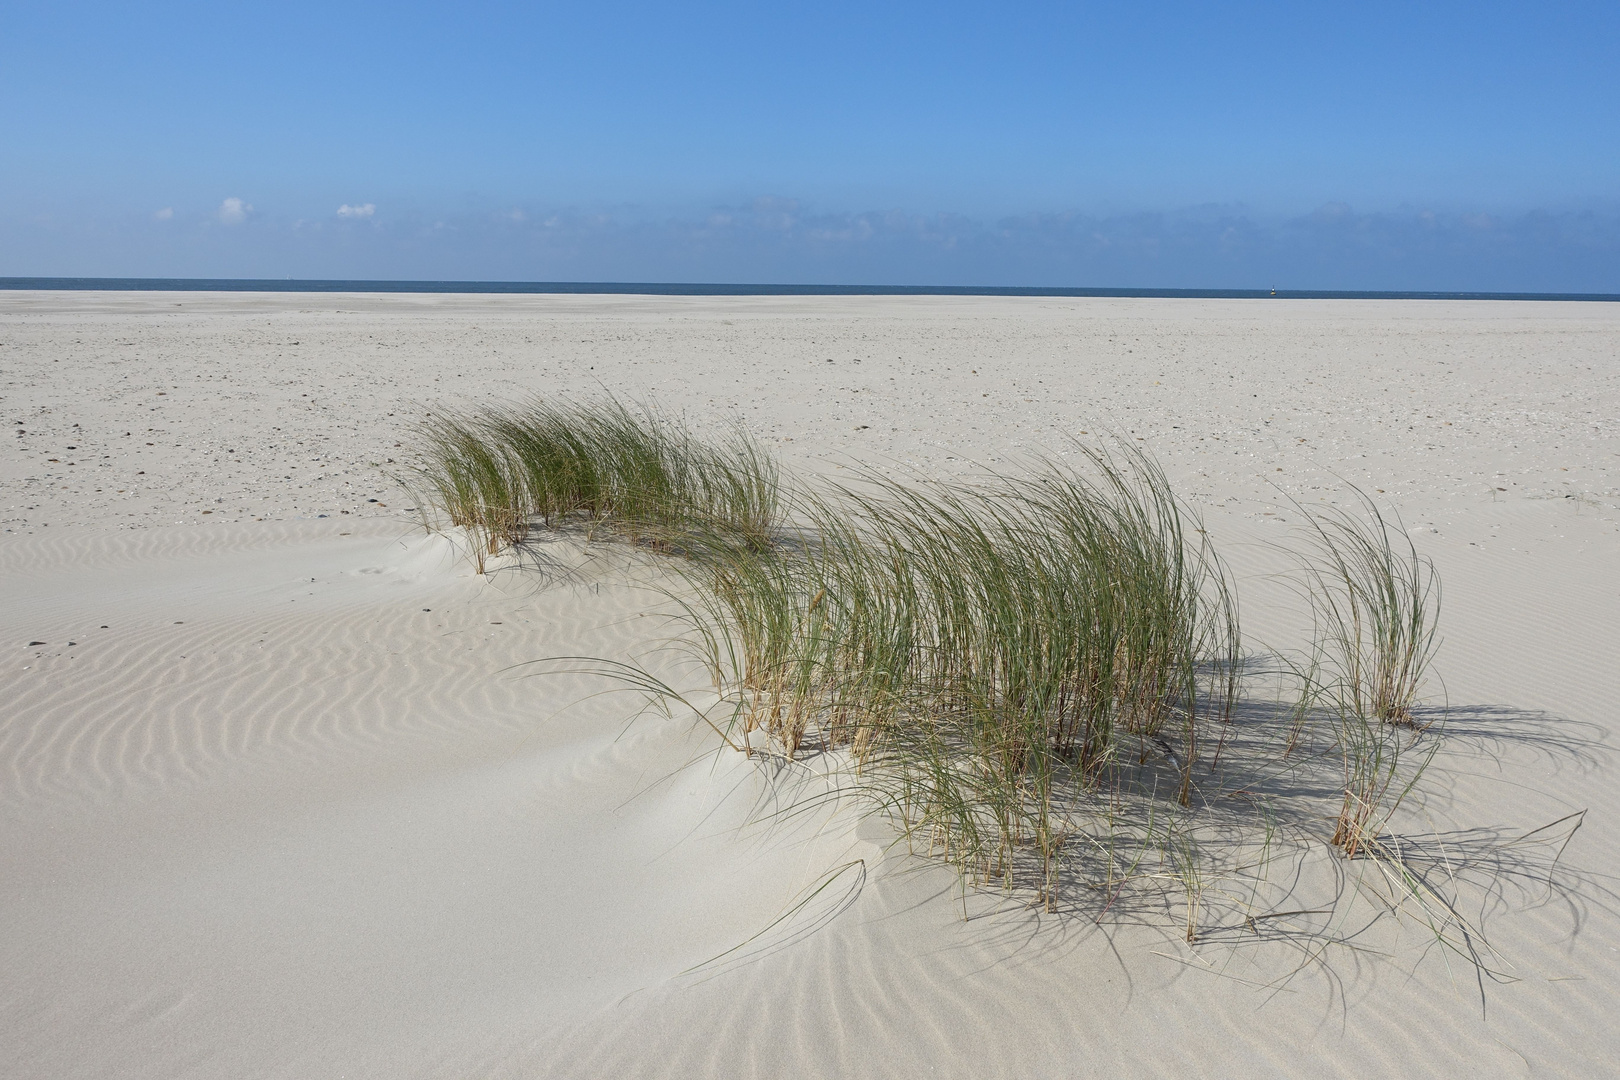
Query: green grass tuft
x=632, y=473
x=1035, y=676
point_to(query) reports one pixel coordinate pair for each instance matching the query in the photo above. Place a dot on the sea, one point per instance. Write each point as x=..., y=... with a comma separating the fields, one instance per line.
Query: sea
x=680, y=288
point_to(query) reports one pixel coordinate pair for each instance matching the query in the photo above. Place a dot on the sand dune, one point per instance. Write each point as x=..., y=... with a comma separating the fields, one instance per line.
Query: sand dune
x=283, y=797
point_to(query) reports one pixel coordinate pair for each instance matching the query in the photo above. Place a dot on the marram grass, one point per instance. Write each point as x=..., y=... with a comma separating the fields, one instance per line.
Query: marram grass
x=633, y=473
x=984, y=652
x=1036, y=676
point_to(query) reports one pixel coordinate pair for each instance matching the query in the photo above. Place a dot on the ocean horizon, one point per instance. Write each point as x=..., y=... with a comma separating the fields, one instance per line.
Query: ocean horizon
x=662, y=288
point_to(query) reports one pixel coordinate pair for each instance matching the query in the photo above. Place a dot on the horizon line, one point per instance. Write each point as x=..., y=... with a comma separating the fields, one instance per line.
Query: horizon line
x=645, y=288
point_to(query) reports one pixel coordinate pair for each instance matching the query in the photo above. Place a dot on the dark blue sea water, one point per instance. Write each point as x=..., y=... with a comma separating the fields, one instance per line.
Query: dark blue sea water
x=656, y=288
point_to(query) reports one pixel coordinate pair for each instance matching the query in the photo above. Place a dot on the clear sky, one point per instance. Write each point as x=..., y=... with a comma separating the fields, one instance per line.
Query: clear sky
x=1441, y=145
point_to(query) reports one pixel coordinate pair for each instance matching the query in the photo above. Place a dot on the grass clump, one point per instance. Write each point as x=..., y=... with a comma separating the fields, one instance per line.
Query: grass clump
x=1376, y=607
x=986, y=653
x=631, y=472
x=1035, y=676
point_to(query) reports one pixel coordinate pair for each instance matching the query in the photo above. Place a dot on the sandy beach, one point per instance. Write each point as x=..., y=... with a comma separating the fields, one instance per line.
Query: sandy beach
x=280, y=795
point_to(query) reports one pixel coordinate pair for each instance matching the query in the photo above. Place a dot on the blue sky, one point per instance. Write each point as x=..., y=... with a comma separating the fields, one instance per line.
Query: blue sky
x=1443, y=146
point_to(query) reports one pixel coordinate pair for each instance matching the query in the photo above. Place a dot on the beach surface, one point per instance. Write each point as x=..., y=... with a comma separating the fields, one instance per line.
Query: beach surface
x=283, y=794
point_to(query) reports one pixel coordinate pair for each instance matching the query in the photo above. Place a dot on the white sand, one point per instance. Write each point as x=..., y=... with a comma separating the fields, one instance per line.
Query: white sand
x=274, y=800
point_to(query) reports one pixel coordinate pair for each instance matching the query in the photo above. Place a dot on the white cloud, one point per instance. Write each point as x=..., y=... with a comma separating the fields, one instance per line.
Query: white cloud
x=364, y=210
x=164, y=214
x=234, y=211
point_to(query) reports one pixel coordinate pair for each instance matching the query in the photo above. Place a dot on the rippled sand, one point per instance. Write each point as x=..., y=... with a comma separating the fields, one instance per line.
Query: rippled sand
x=280, y=797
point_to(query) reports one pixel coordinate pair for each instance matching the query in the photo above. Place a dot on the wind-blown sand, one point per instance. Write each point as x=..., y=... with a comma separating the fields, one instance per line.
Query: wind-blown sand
x=277, y=799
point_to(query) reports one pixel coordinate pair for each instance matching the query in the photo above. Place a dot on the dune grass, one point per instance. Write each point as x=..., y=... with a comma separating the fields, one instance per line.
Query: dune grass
x=1376, y=606
x=983, y=652
x=631, y=472
x=1034, y=675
